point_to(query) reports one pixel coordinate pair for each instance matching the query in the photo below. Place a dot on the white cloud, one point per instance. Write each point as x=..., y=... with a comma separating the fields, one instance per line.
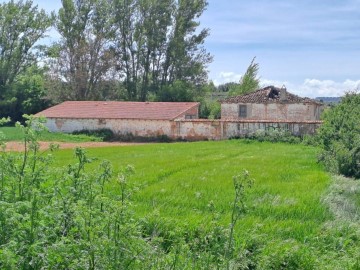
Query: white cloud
x=317, y=88
x=314, y=87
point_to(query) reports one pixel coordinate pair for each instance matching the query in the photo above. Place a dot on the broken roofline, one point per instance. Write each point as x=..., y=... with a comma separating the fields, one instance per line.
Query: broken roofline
x=269, y=94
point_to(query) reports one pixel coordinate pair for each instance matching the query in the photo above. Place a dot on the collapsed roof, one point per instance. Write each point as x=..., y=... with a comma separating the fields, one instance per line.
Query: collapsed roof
x=269, y=94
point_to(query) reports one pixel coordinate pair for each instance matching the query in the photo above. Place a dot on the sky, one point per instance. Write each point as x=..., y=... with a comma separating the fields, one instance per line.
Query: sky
x=310, y=46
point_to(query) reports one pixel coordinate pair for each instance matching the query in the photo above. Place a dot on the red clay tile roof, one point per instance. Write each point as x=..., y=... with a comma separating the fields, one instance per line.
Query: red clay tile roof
x=118, y=110
x=269, y=94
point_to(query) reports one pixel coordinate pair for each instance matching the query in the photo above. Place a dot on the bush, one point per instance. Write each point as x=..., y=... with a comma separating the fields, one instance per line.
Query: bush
x=273, y=135
x=108, y=135
x=210, y=109
x=339, y=137
x=104, y=134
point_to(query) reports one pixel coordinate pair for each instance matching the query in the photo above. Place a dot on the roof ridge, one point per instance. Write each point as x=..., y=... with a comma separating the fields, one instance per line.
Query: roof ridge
x=118, y=110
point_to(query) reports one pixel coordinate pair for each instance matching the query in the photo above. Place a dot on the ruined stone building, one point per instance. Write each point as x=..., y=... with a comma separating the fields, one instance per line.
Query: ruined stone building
x=271, y=103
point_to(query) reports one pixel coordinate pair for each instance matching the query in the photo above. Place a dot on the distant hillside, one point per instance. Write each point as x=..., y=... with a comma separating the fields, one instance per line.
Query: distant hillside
x=329, y=100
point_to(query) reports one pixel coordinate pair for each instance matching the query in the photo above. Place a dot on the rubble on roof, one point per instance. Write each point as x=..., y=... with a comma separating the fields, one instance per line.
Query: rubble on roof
x=269, y=94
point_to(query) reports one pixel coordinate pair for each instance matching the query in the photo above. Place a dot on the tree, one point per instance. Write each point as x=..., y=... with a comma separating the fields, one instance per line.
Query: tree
x=84, y=58
x=178, y=91
x=249, y=82
x=157, y=44
x=186, y=59
x=141, y=36
x=21, y=26
x=340, y=136
x=226, y=87
x=28, y=95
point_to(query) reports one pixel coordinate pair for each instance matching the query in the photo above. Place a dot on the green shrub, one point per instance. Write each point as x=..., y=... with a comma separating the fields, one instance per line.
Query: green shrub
x=340, y=137
x=104, y=134
x=210, y=109
x=108, y=135
x=273, y=135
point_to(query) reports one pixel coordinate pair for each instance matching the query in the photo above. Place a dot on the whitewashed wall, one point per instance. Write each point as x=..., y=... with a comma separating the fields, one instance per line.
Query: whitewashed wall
x=198, y=129
x=137, y=127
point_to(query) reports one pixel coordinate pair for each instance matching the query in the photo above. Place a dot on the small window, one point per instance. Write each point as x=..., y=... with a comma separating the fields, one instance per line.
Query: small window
x=190, y=116
x=242, y=111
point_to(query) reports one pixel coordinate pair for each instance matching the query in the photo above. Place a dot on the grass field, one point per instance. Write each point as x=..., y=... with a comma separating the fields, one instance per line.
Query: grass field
x=14, y=134
x=290, y=215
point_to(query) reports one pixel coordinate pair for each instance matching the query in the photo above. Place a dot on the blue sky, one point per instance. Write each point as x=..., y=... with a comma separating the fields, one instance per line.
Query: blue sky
x=311, y=46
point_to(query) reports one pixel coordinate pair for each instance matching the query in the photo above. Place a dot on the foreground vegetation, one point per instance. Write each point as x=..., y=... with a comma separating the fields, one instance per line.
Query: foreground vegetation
x=180, y=208
x=339, y=137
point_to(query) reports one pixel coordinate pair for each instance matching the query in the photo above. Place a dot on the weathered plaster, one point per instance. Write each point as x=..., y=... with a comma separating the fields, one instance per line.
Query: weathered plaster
x=273, y=111
x=198, y=129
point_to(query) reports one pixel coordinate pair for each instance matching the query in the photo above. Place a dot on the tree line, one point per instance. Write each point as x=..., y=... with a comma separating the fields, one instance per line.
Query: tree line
x=107, y=49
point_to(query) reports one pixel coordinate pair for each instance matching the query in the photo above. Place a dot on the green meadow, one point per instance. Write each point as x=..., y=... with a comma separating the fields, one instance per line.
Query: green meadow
x=181, y=188
x=14, y=134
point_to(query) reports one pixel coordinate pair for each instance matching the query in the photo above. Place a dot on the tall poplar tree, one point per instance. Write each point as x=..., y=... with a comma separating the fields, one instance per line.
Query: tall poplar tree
x=158, y=43
x=83, y=58
x=249, y=82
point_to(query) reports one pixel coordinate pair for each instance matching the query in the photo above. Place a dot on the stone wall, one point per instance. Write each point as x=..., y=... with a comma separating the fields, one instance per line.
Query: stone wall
x=196, y=129
x=200, y=129
x=270, y=111
x=136, y=127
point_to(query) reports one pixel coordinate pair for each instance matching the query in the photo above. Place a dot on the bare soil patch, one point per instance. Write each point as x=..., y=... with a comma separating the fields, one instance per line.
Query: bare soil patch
x=19, y=146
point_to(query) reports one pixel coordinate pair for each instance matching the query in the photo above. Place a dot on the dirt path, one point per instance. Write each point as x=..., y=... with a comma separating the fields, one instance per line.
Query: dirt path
x=18, y=146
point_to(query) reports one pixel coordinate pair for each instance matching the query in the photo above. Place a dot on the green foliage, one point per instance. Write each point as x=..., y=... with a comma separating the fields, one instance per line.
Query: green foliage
x=241, y=183
x=275, y=135
x=158, y=44
x=108, y=135
x=171, y=215
x=28, y=95
x=226, y=87
x=210, y=109
x=84, y=55
x=71, y=219
x=13, y=134
x=340, y=136
x=21, y=26
x=119, y=50
x=31, y=91
x=249, y=82
x=103, y=134
x=177, y=91
x=62, y=219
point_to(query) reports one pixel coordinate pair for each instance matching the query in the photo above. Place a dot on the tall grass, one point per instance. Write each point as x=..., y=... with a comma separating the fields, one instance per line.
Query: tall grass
x=181, y=202
x=176, y=183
